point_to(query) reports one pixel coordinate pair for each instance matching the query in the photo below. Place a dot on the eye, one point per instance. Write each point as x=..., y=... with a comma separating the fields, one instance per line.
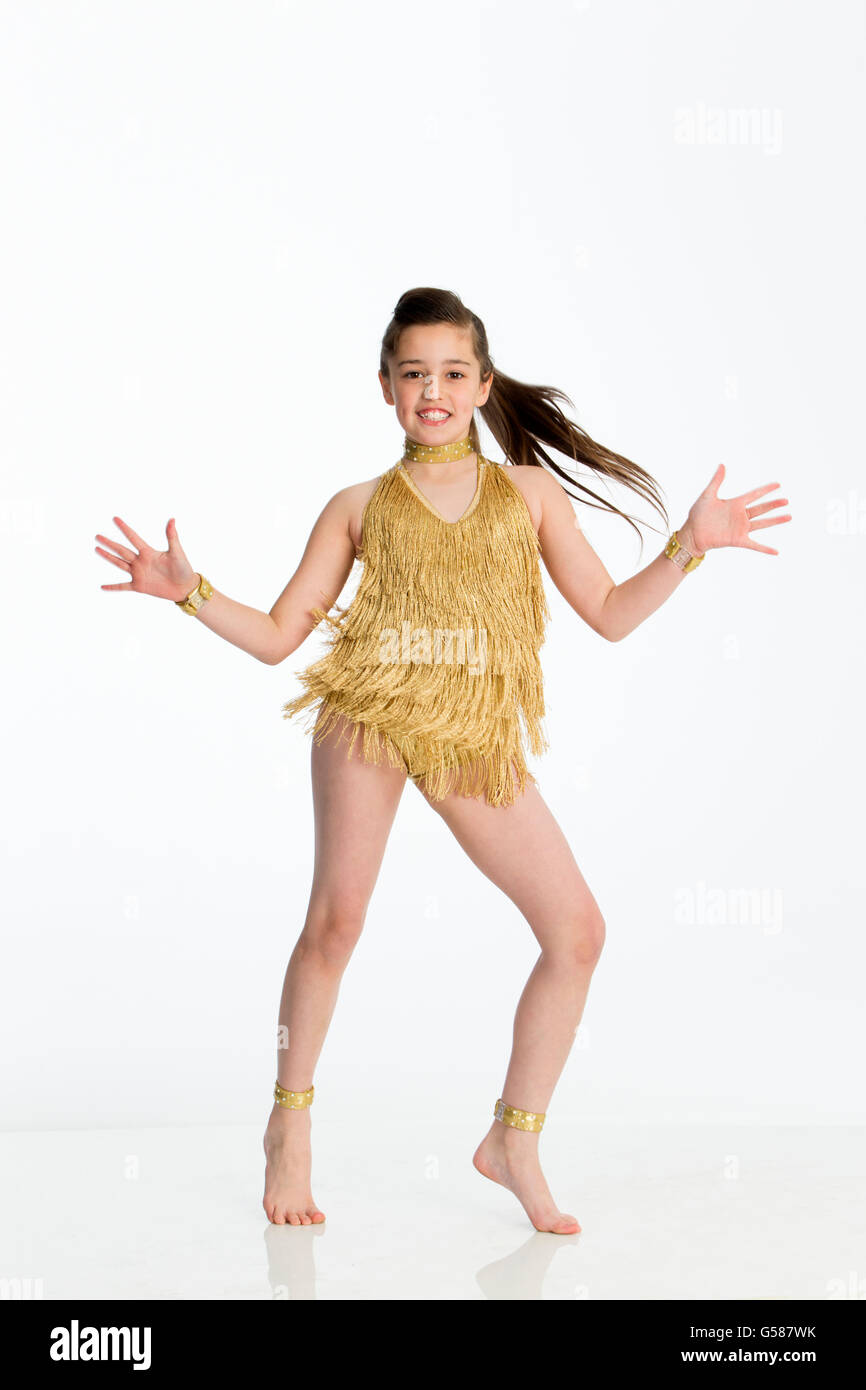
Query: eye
x=452, y=373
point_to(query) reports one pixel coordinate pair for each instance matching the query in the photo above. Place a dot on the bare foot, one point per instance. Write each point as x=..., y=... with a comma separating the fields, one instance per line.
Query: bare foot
x=510, y=1156
x=288, y=1198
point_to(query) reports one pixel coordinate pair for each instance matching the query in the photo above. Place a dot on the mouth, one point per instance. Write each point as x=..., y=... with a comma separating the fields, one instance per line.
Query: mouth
x=434, y=417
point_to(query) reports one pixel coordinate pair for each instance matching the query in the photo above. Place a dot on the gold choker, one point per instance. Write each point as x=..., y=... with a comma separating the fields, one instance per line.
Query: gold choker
x=436, y=453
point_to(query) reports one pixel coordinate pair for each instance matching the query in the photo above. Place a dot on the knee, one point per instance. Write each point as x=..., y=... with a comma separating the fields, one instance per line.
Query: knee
x=332, y=934
x=585, y=940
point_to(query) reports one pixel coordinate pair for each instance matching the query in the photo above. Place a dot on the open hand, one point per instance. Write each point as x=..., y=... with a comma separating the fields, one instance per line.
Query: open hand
x=162, y=573
x=714, y=522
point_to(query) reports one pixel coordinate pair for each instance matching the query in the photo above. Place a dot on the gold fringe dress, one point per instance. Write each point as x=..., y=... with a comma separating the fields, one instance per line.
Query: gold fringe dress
x=436, y=657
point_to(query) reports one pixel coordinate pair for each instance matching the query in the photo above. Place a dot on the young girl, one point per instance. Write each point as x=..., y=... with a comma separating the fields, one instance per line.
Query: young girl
x=435, y=665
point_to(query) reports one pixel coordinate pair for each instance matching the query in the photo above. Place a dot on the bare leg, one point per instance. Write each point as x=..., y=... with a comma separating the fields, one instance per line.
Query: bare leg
x=354, y=806
x=522, y=849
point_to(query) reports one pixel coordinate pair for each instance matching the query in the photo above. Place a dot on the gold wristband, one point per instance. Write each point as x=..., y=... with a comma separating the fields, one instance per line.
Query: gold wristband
x=519, y=1119
x=293, y=1100
x=681, y=557
x=196, y=597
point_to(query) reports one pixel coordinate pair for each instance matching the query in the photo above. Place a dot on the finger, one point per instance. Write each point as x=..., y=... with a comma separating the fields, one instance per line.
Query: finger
x=712, y=487
x=129, y=533
x=766, y=507
x=756, y=492
x=753, y=545
x=121, y=564
x=116, y=586
x=770, y=521
x=127, y=554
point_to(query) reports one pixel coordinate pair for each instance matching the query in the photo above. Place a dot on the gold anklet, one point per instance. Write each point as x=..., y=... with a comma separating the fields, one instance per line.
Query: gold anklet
x=293, y=1100
x=519, y=1119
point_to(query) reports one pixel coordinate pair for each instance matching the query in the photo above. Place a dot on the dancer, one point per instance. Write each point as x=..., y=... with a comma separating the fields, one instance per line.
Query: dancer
x=432, y=673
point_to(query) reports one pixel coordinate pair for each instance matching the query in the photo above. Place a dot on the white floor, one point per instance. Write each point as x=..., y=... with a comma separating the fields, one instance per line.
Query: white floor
x=667, y=1212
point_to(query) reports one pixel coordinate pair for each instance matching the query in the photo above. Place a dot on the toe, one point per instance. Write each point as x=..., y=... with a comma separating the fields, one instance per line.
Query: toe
x=294, y=1219
x=305, y=1219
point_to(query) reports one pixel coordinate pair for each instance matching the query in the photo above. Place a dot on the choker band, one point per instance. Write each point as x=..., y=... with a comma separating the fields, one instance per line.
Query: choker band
x=436, y=453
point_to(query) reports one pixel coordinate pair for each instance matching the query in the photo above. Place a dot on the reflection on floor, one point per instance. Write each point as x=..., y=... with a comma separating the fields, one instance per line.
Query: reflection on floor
x=667, y=1212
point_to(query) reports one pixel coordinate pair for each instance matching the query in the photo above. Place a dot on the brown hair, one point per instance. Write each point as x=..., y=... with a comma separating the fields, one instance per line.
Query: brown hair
x=521, y=417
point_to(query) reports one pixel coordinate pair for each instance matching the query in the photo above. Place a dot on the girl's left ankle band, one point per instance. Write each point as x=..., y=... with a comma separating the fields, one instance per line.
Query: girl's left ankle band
x=293, y=1100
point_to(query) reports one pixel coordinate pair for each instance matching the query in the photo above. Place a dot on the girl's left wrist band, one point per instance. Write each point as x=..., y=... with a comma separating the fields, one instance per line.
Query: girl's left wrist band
x=682, y=558
x=196, y=597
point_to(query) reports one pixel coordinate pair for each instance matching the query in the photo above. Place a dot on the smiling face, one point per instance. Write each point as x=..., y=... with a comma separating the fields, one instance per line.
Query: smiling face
x=443, y=352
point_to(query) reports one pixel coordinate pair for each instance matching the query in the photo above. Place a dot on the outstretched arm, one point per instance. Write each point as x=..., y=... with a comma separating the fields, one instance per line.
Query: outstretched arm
x=614, y=610
x=269, y=637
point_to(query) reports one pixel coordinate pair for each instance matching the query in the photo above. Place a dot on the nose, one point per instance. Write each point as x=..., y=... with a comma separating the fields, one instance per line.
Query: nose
x=431, y=388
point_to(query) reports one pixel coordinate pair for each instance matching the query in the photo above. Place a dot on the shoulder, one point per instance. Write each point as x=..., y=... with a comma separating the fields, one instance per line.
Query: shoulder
x=353, y=499
x=535, y=485
x=357, y=494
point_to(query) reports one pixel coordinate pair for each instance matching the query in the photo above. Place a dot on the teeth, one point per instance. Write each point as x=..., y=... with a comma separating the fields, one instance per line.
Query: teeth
x=434, y=414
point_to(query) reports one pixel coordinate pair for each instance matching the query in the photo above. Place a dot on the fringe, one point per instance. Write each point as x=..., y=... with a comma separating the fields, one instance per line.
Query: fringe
x=460, y=726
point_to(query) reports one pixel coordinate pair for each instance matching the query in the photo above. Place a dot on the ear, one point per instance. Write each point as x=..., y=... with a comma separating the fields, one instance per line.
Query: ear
x=484, y=390
x=386, y=388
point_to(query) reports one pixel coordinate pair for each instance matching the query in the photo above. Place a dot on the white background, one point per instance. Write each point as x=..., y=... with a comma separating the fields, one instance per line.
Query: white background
x=210, y=212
